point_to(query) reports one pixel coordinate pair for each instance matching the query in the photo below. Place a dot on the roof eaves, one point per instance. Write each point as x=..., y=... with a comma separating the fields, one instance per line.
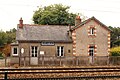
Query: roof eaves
x=64, y=41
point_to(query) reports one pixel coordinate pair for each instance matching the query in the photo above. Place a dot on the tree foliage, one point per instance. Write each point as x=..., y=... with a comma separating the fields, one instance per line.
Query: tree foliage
x=3, y=38
x=7, y=37
x=56, y=14
x=115, y=36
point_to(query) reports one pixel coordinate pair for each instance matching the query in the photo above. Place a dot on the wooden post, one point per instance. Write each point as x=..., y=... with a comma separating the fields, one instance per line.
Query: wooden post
x=107, y=60
x=60, y=61
x=19, y=61
x=5, y=76
x=42, y=60
x=76, y=61
x=24, y=61
x=5, y=61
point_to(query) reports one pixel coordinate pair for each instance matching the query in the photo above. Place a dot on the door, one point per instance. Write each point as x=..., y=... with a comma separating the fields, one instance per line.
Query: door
x=34, y=55
x=91, y=54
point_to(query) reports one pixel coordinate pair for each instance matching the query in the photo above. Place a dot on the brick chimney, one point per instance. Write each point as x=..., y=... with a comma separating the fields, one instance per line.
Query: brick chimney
x=77, y=20
x=20, y=23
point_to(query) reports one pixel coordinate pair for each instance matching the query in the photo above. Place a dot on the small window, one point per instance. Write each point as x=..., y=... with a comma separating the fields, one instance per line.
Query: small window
x=69, y=51
x=14, y=51
x=60, y=51
x=92, y=31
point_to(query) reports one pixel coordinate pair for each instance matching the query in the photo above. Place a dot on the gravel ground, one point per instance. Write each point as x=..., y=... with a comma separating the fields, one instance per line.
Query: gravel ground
x=54, y=75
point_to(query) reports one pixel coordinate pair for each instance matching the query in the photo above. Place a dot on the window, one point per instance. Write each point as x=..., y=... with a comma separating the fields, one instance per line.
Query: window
x=60, y=51
x=92, y=31
x=34, y=51
x=15, y=51
x=91, y=50
x=69, y=51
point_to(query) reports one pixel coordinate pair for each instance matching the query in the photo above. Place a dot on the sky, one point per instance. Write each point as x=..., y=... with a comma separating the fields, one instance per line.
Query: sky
x=107, y=11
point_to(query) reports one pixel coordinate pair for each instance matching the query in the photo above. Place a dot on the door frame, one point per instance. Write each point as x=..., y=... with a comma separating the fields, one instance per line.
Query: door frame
x=91, y=53
x=34, y=59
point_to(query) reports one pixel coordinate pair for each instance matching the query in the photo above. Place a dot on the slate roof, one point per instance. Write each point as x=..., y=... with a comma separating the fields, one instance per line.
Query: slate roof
x=92, y=18
x=54, y=33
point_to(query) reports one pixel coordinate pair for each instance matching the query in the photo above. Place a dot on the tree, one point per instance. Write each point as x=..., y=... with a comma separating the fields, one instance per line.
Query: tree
x=115, y=36
x=11, y=35
x=3, y=38
x=56, y=14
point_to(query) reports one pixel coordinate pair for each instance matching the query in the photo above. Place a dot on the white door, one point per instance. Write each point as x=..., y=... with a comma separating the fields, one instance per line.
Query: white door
x=34, y=55
x=91, y=54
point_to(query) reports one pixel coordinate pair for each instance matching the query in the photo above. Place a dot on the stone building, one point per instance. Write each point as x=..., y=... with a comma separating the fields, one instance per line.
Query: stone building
x=87, y=38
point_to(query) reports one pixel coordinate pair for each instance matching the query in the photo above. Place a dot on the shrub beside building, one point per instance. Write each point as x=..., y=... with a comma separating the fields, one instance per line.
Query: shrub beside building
x=115, y=51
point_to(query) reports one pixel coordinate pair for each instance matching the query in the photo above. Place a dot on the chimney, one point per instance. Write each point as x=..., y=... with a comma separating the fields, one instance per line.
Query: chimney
x=77, y=20
x=20, y=23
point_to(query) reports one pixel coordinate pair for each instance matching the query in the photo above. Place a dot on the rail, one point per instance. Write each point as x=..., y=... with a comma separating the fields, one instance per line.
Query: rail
x=43, y=71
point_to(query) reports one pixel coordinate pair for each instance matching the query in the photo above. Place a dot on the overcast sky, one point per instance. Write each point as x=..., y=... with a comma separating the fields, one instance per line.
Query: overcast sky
x=107, y=11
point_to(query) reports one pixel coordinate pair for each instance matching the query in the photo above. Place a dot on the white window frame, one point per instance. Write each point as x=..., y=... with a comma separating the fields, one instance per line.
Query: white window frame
x=92, y=30
x=60, y=51
x=92, y=50
x=13, y=51
x=34, y=51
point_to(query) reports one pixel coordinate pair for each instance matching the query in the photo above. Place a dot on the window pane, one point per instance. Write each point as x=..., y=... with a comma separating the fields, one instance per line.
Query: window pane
x=92, y=31
x=32, y=49
x=32, y=55
x=35, y=54
x=35, y=51
x=62, y=51
x=35, y=48
x=58, y=52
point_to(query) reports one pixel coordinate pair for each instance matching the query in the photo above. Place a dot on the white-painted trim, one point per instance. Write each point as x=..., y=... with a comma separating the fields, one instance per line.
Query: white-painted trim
x=60, y=51
x=13, y=51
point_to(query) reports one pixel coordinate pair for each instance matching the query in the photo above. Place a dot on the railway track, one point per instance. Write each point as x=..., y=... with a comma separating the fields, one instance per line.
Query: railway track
x=61, y=73
x=74, y=78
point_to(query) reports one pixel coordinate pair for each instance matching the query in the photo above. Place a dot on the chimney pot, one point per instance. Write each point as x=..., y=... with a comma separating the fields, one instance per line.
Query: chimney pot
x=77, y=20
x=21, y=23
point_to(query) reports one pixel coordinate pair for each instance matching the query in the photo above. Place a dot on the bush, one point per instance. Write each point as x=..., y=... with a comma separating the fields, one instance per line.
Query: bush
x=1, y=54
x=115, y=51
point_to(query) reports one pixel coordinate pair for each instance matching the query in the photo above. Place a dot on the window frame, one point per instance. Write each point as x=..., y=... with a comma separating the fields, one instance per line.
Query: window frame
x=92, y=31
x=13, y=51
x=91, y=50
x=60, y=51
x=34, y=51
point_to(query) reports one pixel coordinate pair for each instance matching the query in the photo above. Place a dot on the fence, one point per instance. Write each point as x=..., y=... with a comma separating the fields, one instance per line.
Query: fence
x=63, y=61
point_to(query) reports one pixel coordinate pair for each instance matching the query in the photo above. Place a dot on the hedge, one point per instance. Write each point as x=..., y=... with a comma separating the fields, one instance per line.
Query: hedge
x=115, y=51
